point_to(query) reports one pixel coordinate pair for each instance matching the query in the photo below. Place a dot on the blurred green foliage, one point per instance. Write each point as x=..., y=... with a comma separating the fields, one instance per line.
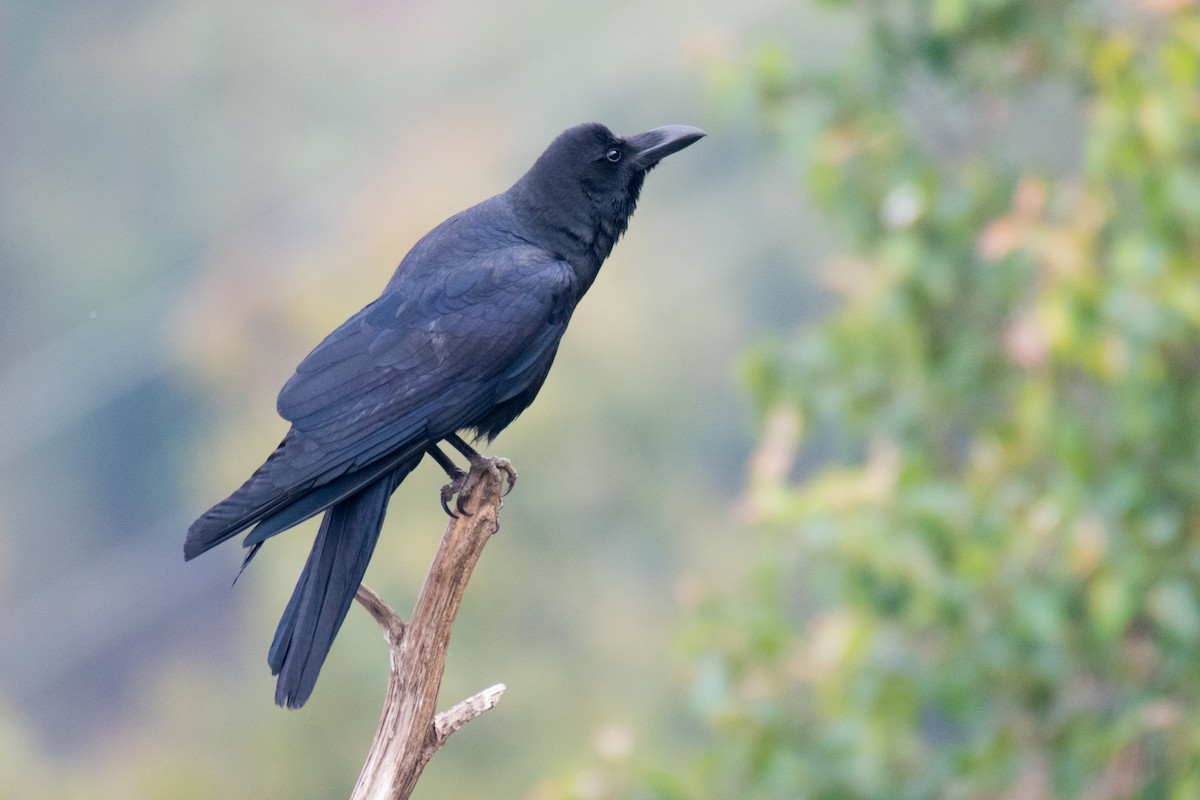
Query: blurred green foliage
x=992, y=592
x=988, y=586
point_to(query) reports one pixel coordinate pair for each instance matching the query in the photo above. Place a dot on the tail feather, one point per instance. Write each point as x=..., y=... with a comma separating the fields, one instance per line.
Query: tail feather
x=326, y=588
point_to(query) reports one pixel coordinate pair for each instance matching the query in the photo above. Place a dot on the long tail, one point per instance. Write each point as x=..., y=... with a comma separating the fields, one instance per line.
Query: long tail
x=327, y=585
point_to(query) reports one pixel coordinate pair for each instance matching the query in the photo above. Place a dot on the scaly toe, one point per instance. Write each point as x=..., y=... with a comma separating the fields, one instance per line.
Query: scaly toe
x=510, y=474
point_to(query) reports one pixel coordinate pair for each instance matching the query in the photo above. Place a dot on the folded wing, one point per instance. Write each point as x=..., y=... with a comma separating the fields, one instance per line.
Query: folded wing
x=433, y=355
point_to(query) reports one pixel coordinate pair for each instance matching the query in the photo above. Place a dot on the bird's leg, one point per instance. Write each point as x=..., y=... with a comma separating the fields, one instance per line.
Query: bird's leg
x=473, y=456
x=458, y=444
x=444, y=462
x=458, y=478
x=459, y=481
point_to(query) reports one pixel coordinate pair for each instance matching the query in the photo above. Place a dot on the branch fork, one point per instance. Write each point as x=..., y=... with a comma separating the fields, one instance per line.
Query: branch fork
x=410, y=731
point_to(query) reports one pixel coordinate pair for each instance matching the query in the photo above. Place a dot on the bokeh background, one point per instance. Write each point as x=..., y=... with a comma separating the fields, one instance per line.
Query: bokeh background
x=867, y=469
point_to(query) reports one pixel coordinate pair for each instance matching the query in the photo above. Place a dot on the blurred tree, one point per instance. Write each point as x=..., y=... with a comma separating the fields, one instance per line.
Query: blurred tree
x=990, y=587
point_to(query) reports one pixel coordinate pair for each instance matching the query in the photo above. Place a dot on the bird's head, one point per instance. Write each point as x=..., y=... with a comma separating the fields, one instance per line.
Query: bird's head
x=588, y=179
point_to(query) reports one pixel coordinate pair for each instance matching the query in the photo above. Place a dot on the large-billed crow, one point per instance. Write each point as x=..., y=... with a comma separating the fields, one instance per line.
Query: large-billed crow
x=460, y=340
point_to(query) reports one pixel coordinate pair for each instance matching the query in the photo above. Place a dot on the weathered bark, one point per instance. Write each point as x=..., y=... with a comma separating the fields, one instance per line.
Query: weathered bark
x=409, y=730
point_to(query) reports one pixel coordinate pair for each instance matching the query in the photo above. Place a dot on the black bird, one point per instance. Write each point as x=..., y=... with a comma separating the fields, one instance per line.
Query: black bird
x=460, y=340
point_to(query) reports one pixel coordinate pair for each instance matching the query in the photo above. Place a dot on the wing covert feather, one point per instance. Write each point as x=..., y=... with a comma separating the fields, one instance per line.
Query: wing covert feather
x=435, y=354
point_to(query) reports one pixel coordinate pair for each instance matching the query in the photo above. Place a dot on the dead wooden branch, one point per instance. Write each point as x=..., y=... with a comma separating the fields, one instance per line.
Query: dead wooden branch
x=409, y=730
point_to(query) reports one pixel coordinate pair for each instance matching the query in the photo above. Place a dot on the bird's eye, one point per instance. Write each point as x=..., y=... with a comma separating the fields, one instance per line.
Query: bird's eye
x=613, y=155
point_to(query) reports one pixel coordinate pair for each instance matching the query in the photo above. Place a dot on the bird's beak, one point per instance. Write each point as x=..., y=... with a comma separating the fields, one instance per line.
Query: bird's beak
x=648, y=148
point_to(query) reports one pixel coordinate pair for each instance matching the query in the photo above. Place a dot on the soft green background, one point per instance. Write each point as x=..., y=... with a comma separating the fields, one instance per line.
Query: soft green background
x=942, y=542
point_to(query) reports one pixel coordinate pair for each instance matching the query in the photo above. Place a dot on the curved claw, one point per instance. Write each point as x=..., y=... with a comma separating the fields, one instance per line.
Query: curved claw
x=459, y=506
x=510, y=475
x=446, y=502
x=457, y=483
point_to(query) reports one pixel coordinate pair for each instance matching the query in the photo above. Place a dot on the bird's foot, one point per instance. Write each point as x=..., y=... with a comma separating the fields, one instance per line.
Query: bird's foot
x=461, y=483
x=457, y=485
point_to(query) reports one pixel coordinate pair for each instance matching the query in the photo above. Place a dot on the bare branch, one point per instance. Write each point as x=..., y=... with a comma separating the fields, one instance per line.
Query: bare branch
x=389, y=620
x=408, y=734
x=454, y=718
